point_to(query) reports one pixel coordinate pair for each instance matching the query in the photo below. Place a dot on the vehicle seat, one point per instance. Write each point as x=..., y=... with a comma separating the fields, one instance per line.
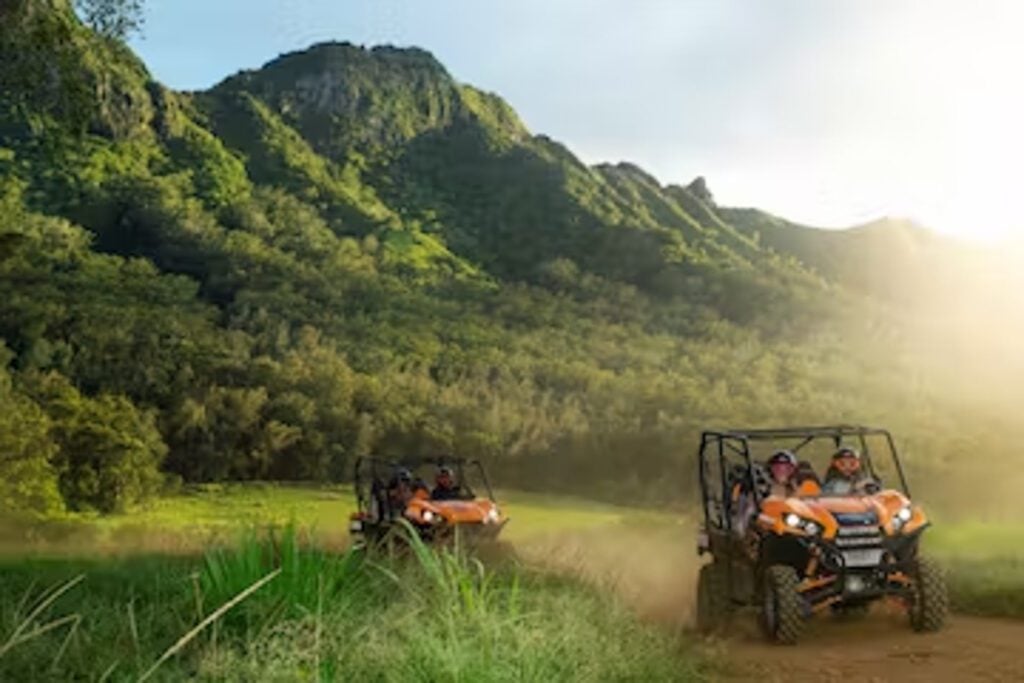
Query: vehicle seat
x=762, y=480
x=808, y=488
x=738, y=480
x=807, y=481
x=378, y=501
x=805, y=472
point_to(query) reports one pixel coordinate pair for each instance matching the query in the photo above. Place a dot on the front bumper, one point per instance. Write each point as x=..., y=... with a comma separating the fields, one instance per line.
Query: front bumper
x=836, y=579
x=468, y=531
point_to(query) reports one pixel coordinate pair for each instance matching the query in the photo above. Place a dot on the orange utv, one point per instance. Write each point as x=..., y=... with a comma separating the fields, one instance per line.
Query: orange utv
x=793, y=556
x=388, y=491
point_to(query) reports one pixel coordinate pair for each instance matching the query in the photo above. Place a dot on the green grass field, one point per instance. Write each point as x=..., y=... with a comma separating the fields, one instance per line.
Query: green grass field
x=190, y=521
x=152, y=576
x=91, y=598
x=984, y=561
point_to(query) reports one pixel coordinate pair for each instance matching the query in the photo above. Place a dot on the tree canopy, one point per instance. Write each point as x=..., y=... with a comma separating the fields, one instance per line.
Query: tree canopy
x=112, y=18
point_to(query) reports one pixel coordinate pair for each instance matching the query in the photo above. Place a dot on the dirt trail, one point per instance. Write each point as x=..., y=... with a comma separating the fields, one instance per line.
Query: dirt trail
x=881, y=647
x=655, y=571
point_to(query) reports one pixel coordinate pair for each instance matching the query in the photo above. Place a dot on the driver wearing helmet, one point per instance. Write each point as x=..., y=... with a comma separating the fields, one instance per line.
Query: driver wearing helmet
x=400, y=490
x=445, y=487
x=782, y=467
x=846, y=474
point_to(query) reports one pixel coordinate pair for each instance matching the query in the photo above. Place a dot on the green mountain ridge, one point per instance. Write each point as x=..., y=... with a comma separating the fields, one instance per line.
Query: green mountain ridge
x=888, y=258
x=347, y=251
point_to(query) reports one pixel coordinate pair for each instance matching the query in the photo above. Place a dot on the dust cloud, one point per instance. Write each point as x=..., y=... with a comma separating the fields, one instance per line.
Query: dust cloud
x=652, y=569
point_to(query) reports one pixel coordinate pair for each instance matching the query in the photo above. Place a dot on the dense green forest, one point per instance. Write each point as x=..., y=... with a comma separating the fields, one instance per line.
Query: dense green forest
x=348, y=251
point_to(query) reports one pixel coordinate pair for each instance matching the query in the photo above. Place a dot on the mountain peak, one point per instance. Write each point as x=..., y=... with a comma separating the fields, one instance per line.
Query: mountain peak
x=699, y=189
x=344, y=56
x=343, y=96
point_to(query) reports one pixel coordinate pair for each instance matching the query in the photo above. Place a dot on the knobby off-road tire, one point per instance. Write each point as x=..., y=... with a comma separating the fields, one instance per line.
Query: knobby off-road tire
x=714, y=605
x=782, y=606
x=929, y=603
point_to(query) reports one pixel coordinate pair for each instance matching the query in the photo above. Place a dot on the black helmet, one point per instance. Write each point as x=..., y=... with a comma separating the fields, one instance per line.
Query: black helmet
x=846, y=452
x=403, y=475
x=780, y=457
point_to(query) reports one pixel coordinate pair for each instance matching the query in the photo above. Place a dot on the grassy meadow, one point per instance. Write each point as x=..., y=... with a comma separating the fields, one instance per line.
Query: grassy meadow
x=198, y=516
x=984, y=561
x=568, y=596
x=319, y=615
x=103, y=598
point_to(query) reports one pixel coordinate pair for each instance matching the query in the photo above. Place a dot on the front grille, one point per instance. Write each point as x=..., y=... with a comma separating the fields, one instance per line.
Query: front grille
x=856, y=518
x=860, y=542
x=864, y=533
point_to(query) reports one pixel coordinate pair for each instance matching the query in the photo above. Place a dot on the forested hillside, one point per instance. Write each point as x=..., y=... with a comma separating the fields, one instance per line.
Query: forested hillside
x=348, y=251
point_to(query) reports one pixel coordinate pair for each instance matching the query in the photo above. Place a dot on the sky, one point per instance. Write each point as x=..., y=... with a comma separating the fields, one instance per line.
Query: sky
x=826, y=112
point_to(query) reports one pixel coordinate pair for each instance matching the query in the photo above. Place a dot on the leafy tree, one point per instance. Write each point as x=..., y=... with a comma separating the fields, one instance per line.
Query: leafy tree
x=112, y=18
x=28, y=481
x=109, y=451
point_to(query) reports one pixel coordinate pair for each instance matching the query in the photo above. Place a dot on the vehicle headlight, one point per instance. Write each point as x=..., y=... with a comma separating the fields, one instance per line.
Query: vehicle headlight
x=795, y=521
x=493, y=515
x=428, y=516
x=900, y=519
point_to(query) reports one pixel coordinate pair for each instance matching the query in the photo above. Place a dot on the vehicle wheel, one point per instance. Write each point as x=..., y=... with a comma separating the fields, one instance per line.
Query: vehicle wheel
x=782, y=606
x=713, y=602
x=929, y=602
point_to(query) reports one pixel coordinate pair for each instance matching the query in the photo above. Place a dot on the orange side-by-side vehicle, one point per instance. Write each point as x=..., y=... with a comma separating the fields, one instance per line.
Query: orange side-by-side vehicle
x=391, y=490
x=812, y=550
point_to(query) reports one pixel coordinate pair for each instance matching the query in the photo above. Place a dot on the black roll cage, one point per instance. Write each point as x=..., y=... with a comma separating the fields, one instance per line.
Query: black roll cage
x=738, y=441
x=370, y=470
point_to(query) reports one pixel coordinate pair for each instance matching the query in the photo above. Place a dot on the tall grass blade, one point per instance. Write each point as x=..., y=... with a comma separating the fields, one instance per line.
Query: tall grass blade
x=67, y=641
x=216, y=614
x=24, y=600
x=40, y=608
x=109, y=671
x=35, y=633
x=133, y=628
x=197, y=594
x=319, y=622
